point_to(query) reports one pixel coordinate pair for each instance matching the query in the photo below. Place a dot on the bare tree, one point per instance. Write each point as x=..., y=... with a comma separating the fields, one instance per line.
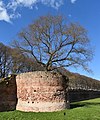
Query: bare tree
x=53, y=42
x=5, y=60
x=21, y=63
x=13, y=61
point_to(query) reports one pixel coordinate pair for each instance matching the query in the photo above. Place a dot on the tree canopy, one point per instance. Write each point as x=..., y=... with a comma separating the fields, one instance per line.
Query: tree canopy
x=54, y=42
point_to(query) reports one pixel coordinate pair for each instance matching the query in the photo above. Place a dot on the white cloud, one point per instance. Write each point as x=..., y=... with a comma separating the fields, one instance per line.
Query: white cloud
x=73, y=1
x=13, y=16
x=26, y=3
x=21, y=3
x=8, y=11
x=53, y=3
x=3, y=13
x=13, y=5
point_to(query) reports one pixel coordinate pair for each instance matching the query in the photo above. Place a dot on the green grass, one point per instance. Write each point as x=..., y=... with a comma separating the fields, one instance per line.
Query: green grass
x=85, y=110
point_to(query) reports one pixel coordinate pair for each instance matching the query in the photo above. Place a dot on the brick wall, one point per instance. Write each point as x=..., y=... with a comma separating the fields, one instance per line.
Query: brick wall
x=8, y=94
x=78, y=95
x=41, y=91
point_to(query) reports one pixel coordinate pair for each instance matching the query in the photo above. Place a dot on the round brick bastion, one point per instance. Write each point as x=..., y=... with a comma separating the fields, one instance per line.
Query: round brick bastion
x=41, y=91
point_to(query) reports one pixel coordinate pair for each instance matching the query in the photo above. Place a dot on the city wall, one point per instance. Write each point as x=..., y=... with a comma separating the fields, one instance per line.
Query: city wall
x=79, y=95
x=34, y=91
x=39, y=92
x=8, y=94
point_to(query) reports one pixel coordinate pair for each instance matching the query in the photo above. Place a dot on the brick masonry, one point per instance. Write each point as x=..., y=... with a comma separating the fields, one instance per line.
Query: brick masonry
x=8, y=94
x=41, y=92
x=79, y=95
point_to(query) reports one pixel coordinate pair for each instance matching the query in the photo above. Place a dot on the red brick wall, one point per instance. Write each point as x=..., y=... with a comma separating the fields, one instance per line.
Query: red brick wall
x=41, y=91
x=8, y=94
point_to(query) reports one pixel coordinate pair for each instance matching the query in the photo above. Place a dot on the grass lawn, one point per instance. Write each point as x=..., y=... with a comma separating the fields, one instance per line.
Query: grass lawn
x=85, y=110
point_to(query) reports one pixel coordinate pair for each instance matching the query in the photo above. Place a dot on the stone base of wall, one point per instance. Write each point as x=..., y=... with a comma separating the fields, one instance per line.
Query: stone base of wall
x=41, y=106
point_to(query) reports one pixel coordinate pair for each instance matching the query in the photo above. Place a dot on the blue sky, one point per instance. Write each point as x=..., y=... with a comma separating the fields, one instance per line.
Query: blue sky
x=17, y=14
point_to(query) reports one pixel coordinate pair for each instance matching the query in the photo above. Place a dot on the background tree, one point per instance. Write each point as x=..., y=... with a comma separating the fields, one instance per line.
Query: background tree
x=13, y=61
x=53, y=42
x=5, y=60
x=21, y=63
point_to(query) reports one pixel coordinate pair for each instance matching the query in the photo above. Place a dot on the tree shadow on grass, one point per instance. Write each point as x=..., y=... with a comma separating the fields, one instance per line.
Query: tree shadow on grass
x=83, y=104
x=72, y=106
